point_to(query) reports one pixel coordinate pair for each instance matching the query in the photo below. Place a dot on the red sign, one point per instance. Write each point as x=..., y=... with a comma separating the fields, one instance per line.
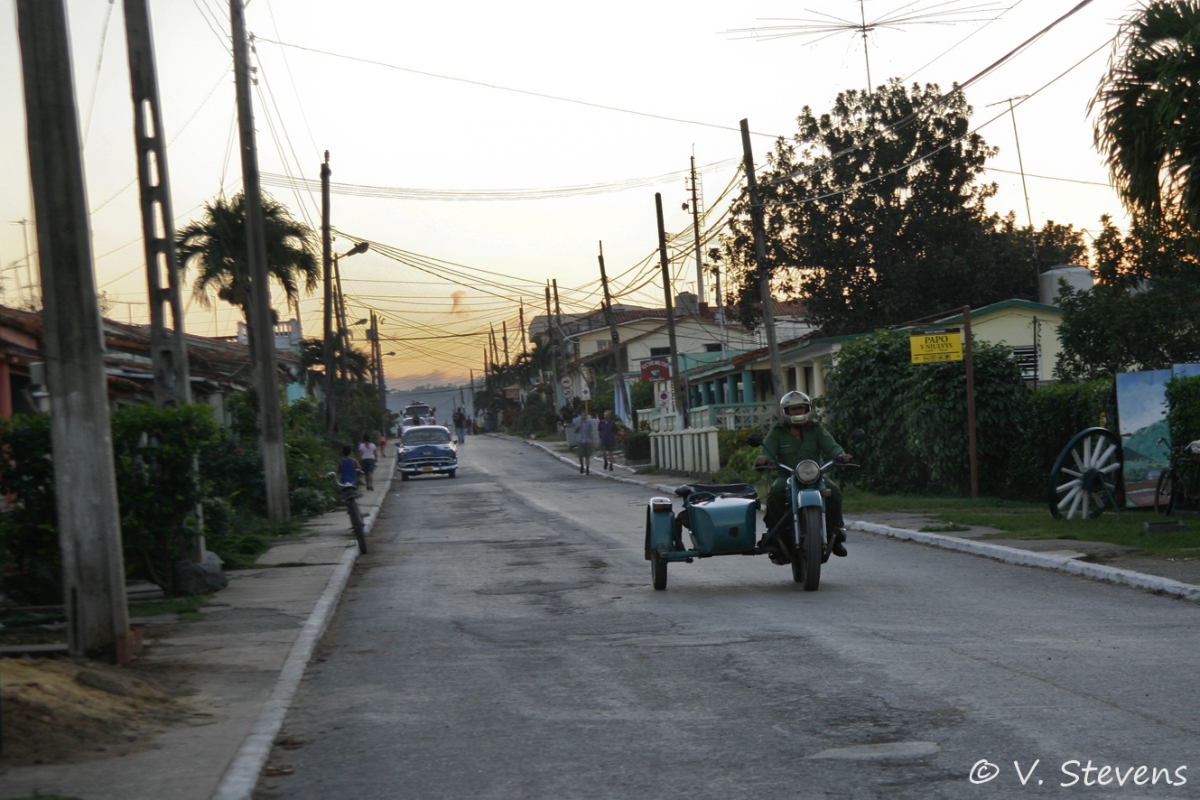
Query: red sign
x=656, y=369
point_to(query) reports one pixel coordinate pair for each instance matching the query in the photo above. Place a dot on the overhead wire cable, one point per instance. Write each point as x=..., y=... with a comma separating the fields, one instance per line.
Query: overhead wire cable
x=499, y=87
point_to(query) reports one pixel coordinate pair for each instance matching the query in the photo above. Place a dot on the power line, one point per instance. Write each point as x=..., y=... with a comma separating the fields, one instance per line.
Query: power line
x=509, y=88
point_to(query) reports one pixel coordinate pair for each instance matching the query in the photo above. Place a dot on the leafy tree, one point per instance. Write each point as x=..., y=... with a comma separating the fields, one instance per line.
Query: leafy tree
x=875, y=215
x=1142, y=312
x=1146, y=126
x=216, y=246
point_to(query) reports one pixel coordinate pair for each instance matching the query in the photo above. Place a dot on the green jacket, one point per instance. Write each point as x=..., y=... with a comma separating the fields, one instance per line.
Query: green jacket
x=815, y=443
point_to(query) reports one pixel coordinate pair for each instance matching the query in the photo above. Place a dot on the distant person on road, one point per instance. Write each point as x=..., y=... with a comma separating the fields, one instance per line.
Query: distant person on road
x=460, y=425
x=608, y=439
x=368, y=453
x=585, y=438
x=348, y=466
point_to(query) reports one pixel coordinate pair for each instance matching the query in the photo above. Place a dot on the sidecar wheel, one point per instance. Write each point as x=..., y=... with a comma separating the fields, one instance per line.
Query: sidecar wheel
x=658, y=571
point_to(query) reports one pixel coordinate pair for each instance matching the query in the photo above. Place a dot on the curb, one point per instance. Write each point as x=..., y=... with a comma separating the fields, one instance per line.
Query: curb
x=1026, y=558
x=241, y=777
x=1008, y=555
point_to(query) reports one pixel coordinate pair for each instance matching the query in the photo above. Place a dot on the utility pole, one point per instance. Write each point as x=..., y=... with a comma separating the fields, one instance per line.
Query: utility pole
x=721, y=306
x=551, y=343
x=343, y=328
x=969, y=359
x=258, y=310
x=619, y=357
x=504, y=329
x=562, y=339
x=327, y=349
x=676, y=382
x=377, y=360
x=760, y=257
x=89, y=522
x=521, y=317
x=168, y=348
x=696, y=234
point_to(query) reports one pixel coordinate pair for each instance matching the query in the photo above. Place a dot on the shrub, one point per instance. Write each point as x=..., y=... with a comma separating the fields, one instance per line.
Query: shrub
x=1183, y=419
x=155, y=451
x=1053, y=415
x=30, y=559
x=637, y=446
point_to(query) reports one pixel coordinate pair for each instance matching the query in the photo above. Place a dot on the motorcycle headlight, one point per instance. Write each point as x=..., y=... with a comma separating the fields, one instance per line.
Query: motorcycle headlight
x=808, y=471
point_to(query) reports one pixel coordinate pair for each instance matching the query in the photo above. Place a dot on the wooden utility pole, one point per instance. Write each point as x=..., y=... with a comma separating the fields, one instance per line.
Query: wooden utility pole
x=969, y=358
x=327, y=349
x=261, y=325
x=521, y=317
x=696, y=235
x=620, y=358
x=562, y=339
x=377, y=360
x=504, y=329
x=343, y=328
x=676, y=382
x=89, y=522
x=760, y=258
x=168, y=347
x=552, y=344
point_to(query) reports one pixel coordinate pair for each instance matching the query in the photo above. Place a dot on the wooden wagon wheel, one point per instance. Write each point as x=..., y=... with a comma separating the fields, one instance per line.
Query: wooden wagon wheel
x=1085, y=477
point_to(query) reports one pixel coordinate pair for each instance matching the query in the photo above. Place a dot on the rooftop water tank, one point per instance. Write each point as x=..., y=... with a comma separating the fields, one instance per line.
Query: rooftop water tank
x=1077, y=277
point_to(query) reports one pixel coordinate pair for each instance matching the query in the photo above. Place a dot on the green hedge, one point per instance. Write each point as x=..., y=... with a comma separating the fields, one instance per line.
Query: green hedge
x=915, y=419
x=1183, y=420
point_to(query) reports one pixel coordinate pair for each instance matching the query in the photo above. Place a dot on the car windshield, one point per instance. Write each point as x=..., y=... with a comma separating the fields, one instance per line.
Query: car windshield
x=427, y=436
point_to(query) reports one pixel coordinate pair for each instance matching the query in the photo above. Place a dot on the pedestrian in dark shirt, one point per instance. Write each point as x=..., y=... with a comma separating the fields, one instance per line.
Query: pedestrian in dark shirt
x=608, y=439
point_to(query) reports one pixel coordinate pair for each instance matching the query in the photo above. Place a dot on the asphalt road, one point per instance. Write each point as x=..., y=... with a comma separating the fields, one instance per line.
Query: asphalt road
x=502, y=640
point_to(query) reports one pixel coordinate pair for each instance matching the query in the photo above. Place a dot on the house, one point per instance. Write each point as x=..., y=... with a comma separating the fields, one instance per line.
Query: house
x=217, y=366
x=735, y=391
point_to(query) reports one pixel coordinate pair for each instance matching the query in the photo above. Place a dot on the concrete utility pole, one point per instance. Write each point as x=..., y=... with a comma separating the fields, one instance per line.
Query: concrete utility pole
x=168, y=348
x=676, y=378
x=760, y=258
x=261, y=325
x=696, y=234
x=89, y=523
x=327, y=348
x=620, y=358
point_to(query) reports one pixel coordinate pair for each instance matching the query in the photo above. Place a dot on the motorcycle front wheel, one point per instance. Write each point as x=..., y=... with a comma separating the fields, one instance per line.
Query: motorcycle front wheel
x=806, y=564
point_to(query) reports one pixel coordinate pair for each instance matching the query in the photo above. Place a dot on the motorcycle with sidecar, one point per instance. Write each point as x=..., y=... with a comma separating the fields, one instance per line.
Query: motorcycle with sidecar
x=721, y=520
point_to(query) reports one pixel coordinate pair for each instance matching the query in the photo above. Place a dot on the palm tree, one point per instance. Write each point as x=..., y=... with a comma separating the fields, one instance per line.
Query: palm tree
x=1147, y=127
x=216, y=244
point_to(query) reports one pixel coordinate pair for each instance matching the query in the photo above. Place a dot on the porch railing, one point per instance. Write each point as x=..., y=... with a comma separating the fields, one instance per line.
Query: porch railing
x=695, y=450
x=727, y=416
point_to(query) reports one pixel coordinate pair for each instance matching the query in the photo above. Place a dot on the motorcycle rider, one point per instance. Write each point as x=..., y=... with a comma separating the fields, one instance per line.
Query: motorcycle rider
x=796, y=437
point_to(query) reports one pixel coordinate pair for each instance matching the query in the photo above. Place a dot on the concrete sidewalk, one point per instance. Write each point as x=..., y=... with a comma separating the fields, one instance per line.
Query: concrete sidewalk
x=254, y=641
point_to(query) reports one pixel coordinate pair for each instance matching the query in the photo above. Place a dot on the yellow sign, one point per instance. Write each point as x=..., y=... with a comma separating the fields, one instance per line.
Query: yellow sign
x=936, y=347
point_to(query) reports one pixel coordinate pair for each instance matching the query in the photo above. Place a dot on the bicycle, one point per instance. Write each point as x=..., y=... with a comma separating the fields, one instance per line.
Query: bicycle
x=1177, y=488
x=350, y=495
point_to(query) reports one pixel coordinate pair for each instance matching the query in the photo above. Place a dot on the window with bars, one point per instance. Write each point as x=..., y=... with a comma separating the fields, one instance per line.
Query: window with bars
x=1027, y=360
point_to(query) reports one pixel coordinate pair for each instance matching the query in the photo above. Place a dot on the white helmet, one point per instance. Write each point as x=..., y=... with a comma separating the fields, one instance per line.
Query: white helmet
x=796, y=408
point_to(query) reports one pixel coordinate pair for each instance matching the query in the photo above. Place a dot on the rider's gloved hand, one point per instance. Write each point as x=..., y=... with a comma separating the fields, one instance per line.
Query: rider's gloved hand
x=845, y=458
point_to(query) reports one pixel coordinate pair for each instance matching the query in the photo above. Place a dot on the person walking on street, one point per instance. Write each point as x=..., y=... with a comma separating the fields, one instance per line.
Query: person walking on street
x=347, y=466
x=368, y=452
x=585, y=438
x=460, y=425
x=608, y=439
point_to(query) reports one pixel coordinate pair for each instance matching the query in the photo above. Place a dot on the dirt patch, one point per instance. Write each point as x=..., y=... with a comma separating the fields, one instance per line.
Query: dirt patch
x=64, y=710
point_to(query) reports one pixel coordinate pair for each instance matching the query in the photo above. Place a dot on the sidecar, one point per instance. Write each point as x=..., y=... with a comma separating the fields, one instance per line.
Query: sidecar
x=720, y=519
